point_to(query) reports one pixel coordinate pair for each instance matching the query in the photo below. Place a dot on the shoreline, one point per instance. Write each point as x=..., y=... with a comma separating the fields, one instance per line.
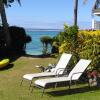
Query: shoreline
x=38, y=56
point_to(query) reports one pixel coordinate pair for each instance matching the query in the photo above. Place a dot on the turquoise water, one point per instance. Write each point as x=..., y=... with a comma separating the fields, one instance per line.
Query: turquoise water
x=35, y=46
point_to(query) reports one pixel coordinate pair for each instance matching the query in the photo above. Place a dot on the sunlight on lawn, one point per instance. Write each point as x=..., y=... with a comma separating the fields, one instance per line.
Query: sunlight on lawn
x=11, y=90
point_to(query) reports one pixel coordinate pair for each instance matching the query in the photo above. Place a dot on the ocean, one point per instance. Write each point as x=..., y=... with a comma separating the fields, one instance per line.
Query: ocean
x=35, y=47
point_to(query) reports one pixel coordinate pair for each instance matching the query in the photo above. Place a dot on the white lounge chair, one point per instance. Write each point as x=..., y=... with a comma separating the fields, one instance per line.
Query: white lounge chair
x=74, y=75
x=59, y=69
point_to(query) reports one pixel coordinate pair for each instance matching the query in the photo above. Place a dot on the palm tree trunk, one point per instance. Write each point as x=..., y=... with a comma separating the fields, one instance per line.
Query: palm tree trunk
x=5, y=27
x=75, y=11
x=0, y=6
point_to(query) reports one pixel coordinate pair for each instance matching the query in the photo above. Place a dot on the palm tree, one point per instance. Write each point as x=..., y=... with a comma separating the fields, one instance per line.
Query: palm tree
x=75, y=24
x=75, y=11
x=7, y=3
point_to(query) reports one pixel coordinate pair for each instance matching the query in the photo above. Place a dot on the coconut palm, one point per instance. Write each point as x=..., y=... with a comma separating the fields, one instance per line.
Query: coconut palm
x=75, y=11
x=7, y=3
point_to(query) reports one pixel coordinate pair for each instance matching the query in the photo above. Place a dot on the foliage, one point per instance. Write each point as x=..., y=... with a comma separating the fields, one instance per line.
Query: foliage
x=45, y=41
x=9, y=2
x=85, y=44
x=69, y=41
x=5, y=39
x=55, y=46
x=19, y=39
x=90, y=47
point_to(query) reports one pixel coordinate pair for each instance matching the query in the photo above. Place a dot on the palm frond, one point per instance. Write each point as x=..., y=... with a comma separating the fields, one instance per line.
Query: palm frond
x=10, y=1
x=19, y=2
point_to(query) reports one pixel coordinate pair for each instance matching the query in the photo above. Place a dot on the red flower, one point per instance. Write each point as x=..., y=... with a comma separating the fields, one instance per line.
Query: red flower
x=94, y=73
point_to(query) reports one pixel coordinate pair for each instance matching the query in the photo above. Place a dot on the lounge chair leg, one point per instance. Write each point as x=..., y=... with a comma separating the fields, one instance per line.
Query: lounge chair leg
x=75, y=82
x=30, y=85
x=42, y=92
x=69, y=84
x=89, y=85
x=55, y=85
x=32, y=89
x=21, y=82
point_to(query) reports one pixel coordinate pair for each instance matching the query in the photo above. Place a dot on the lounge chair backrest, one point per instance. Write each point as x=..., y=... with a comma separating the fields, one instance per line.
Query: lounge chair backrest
x=79, y=68
x=62, y=63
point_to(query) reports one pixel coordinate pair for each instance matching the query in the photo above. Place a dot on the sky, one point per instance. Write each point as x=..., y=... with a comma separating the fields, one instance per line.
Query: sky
x=52, y=14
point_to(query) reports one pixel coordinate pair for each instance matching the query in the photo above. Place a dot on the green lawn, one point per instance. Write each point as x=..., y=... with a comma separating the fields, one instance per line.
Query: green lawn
x=10, y=88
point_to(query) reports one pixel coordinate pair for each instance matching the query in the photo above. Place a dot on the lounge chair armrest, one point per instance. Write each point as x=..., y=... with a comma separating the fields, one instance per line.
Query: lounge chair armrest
x=73, y=75
x=62, y=69
x=59, y=70
x=50, y=67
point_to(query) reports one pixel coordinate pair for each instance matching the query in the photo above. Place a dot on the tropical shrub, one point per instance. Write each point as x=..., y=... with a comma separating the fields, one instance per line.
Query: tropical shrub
x=55, y=47
x=69, y=42
x=82, y=44
x=90, y=46
x=46, y=40
x=68, y=39
x=19, y=38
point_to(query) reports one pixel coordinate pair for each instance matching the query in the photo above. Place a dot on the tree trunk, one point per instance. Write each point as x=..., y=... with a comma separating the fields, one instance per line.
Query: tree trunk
x=75, y=11
x=5, y=27
x=0, y=6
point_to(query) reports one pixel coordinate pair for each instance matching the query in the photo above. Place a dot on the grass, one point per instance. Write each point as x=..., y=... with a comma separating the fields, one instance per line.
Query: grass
x=10, y=88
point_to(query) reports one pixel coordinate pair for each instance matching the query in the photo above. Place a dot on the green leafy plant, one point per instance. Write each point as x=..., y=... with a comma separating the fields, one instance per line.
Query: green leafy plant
x=46, y=40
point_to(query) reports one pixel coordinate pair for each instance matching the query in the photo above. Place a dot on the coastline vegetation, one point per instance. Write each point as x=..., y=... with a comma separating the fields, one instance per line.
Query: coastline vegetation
x=46, y=40
x=81, y=43
x=18, y=44
x=87, y=46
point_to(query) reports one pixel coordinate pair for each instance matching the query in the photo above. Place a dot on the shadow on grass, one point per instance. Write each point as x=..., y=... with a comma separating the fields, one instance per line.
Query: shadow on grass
x=73, y=91
x=13, y=56
x=7, y=67
x=39, y=56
